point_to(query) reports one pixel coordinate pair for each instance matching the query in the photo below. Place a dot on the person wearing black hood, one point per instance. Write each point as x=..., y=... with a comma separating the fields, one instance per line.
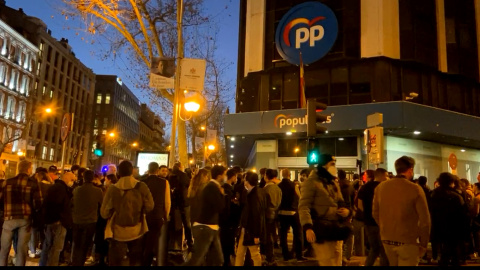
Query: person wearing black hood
x=448, y=208
x=322, y=213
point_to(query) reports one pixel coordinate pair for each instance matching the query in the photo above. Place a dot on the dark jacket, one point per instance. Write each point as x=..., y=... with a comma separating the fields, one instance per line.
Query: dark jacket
x=212, y=204
x=226, y=219
x=157, y=186
x=57, y=205
x=289, y=197
x=253, y=217
x=448, y=214
x=348, y=192
x=87, y=199
x=179, y=184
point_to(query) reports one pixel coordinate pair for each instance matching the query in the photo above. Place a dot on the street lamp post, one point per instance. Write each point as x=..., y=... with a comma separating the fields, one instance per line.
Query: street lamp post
x=177, y=82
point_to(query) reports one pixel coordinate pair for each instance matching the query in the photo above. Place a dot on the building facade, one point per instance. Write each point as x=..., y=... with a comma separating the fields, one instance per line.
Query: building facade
x=18, y=58
x=62, y=84
x=151, y=130
x=386, y=52
x=116, y=117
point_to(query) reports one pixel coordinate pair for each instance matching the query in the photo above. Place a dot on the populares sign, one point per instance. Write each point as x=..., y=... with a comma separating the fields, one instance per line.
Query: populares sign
x=310, y=28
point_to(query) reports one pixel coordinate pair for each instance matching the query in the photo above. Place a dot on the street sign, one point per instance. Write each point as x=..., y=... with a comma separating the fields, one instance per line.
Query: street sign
x=452, y=161
x=374, y=120
x=66, y=126
x=160, y=82
x=311, y=28
x=375, y=145
x=192, y=74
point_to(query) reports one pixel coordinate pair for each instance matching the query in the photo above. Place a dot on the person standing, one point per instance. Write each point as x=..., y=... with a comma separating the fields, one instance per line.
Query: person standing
x=179, y=183
x=20, y=196
x=227, y=222
x=288, y=217
x=252, y=222
x=400, y=209
x=263, y=181
x=163, y=245
x=273, y=198
x=206, y=219
x=87, y=199
x=448, y=208
x=157, y=218
x=58, y=218
x=124, y=206
x=321, y=202
x=365, y=201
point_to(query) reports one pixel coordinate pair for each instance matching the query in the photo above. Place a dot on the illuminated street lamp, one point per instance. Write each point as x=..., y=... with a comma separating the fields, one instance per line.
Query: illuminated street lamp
x=211, y=147
x=112, y=134
x=48, y=110
x=20, y=153
x=203, y=128
x=297, y=150
x=192, y=106
x=135, y=144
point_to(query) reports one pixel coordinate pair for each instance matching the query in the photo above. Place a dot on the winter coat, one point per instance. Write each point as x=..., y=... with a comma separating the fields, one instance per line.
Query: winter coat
x=253, y=217
x=322, y=197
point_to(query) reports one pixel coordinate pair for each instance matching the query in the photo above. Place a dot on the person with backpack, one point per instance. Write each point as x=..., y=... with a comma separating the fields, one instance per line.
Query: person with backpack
x=124, y=206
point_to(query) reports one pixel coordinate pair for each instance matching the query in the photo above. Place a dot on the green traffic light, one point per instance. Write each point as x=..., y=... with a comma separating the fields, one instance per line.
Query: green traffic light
x=98, y=152
x=313, y=156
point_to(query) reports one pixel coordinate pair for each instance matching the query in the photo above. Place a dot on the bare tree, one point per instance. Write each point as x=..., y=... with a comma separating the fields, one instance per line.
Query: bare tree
x=139, y=30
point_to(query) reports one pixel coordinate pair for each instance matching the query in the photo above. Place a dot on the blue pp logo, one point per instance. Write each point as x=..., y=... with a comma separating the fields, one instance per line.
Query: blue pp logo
x=310, y=28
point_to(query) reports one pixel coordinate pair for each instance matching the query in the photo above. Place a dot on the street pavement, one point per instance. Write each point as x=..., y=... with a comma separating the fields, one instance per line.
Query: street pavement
x=176, y=258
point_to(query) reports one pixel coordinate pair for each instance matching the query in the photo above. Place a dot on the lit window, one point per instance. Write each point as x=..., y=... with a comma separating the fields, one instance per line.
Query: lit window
x=107, y=99
x=44, y=153
x=99, y=99
x=104, y=132
x=52, y=152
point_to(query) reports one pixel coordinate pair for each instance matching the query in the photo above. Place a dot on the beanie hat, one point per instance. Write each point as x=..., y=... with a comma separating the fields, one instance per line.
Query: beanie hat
x=324, y=159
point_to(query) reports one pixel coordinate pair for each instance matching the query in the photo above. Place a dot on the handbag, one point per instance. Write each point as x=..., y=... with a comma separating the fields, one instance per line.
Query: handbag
x=330, y=230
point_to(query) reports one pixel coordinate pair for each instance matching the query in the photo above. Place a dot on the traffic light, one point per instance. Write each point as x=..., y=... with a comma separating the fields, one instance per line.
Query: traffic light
x=313, y=151
x=315, y=118
x=99, y=149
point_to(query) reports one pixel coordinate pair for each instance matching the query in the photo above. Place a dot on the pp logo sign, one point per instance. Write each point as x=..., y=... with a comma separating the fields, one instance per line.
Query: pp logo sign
x=311, y=28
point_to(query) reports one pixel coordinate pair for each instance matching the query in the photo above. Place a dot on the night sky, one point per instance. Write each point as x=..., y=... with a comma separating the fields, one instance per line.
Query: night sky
x=48, y=12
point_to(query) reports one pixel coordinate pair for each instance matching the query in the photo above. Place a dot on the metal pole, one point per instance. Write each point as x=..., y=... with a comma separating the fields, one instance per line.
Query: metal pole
x=64, y=146
x=205, y=147
x=177, y=83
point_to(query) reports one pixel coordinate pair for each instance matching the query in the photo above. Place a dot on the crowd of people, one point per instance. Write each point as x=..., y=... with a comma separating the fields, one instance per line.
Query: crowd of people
x=228, y=217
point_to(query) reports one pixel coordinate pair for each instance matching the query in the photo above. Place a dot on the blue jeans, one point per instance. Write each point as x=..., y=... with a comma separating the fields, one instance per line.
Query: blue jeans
x=52, y=246
x=206, y=248
x=376, y=246
x=23, y=229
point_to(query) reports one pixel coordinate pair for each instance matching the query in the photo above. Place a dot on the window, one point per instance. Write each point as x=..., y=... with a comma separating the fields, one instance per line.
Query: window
x=52, y=153
x=13, y=79
x=2, y=99
x=10, y=108
x=107, y=99
x=39, y=65
x=44, y=153
x=99, y=98
x=3, y=73
x=4, y=47
x=21, y=111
